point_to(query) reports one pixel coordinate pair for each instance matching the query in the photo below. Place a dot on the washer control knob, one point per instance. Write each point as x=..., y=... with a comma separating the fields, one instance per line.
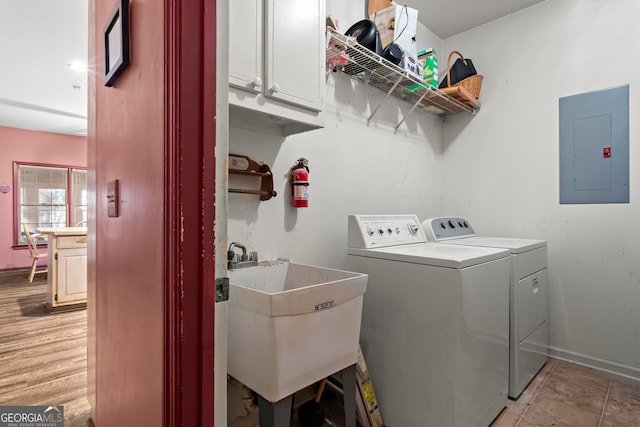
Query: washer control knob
x=397, y=230
x=380, y=231
x=389, y=230
x=413, y=229
x=370, y=231
x=443, y=225
x=451, y=224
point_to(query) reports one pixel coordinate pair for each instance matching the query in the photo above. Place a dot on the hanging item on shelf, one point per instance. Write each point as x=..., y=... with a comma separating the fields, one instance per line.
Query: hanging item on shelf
x=393, y=53
x=367, y=35
x=411, y=64
x=338, y=61
x=341, y=58
x=462, y=73
x=243, y=165
x=300, y=183
x=429, y=64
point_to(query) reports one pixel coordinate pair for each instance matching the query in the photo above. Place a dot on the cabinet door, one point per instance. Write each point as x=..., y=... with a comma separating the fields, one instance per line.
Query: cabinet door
x=245, y=44
x=72, y=275
x=294, y=49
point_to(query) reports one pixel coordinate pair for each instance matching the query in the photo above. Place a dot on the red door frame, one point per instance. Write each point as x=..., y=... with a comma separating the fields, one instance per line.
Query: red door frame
x=190, y=126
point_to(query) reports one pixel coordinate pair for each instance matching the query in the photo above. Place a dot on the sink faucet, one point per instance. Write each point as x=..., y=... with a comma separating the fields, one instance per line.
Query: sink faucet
x=238, y=245
x=240, y=261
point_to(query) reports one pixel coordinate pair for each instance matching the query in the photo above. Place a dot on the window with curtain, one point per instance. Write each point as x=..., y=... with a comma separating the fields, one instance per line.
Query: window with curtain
x=49, y=196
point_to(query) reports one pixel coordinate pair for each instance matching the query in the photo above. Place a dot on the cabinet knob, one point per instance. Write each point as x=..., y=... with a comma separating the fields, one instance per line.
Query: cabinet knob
x=257, y=82
x=275, y=88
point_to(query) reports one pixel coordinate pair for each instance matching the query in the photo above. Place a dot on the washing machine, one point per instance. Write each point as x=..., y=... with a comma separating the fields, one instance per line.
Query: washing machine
x=435, y=323
x=528, y=343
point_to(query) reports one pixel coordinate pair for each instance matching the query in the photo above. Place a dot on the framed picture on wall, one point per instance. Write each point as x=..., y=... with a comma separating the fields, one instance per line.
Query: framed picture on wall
x=116, y=43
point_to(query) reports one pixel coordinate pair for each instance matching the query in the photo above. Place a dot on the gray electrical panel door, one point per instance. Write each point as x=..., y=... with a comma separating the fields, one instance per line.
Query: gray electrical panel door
x=594, y=147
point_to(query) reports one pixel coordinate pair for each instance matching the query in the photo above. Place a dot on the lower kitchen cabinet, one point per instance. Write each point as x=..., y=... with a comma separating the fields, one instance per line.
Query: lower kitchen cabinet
x=67, y=264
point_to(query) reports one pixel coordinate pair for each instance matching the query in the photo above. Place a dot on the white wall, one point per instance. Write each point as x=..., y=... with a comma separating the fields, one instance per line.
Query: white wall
x=354, y=168
x=501, y=168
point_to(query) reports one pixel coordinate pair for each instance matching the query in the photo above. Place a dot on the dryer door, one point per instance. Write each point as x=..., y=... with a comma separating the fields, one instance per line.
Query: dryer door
x=531, y=303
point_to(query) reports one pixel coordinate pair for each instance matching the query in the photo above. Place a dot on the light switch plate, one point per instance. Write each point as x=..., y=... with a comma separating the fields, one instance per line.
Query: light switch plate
x=112, y=198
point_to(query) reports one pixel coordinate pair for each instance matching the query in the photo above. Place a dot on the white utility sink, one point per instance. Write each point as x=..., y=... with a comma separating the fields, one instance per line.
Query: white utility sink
x=290, y=325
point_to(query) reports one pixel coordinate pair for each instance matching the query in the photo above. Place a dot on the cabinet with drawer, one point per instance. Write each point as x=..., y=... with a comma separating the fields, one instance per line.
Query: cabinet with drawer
x=67, y=263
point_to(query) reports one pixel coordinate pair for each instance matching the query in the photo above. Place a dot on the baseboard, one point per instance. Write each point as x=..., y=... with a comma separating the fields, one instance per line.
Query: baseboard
x=15, y=269
x=66, y=307
x=614, y=370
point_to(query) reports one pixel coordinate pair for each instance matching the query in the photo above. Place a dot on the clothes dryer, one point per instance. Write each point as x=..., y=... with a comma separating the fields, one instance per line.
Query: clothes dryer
x=434, y=324
x=528, y=337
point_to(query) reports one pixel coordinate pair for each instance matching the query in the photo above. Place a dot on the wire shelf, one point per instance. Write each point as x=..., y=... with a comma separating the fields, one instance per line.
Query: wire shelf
x=346, y=55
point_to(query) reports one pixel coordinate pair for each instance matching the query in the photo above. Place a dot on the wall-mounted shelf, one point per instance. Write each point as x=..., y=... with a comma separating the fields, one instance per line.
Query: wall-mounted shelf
x=243, y=165
x=346, y=55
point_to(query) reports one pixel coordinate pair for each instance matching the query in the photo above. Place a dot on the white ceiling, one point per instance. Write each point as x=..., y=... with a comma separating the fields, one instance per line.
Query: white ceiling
x=40, y=38
x=448, y=17
x=38, y=41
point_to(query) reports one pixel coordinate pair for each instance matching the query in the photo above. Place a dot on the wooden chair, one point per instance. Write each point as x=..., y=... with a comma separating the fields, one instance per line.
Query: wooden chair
x=35, y=254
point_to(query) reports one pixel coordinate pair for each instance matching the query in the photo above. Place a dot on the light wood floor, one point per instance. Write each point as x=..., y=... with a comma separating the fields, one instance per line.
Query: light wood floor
x=43, y=357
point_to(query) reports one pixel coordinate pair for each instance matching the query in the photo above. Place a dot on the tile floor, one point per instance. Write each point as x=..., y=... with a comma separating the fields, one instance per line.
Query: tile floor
x=565, y=394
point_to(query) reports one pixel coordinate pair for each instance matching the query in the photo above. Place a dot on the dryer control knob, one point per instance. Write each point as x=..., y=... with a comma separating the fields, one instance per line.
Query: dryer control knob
x=413, y=229
x=452, y=224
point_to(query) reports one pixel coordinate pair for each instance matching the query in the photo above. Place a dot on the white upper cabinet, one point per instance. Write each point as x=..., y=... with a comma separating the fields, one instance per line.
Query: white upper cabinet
x=245, y=44
x=295, y=51
x=276, y=64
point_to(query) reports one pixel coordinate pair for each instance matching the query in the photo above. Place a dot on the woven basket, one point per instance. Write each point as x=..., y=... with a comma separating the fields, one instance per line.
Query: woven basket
x=473, y=83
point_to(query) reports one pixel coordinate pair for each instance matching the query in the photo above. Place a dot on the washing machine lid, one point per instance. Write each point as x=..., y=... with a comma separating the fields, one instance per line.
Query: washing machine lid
x=515, y=246
x=434, y=254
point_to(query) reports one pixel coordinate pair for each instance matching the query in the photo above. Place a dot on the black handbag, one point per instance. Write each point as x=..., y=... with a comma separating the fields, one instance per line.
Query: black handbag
x=460, y=70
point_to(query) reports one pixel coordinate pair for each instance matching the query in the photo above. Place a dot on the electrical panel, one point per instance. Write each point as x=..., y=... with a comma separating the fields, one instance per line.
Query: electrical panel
x=594, y=147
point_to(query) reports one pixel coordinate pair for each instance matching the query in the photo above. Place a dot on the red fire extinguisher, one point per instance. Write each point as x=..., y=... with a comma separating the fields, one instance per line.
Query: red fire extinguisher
x=300, y=183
